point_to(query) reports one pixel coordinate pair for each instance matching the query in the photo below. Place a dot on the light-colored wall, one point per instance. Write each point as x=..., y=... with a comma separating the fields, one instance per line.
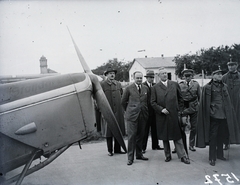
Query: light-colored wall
x=137, y=67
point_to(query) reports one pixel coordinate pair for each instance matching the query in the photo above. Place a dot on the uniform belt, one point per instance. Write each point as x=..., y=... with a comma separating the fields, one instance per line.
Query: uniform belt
x=186, y=103
x=193, y=99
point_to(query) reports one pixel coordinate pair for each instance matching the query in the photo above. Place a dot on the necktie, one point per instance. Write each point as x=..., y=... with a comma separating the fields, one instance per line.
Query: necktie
x=139, y=89
x=188, y=84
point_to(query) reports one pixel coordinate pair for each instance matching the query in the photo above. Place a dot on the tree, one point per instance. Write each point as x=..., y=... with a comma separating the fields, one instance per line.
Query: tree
x=186, y=59
x=121, y=67
x=208, y=59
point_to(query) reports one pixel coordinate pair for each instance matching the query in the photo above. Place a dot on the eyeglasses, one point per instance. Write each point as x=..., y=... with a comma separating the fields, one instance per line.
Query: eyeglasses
x=187, y=75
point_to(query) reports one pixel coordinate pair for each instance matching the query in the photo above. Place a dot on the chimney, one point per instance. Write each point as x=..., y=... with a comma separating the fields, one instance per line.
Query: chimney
x=43, y=65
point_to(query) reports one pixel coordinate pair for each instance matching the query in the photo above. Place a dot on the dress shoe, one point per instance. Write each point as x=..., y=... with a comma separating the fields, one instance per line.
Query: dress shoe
x=185, y=160
x=158, y=148
x=142, y=158
x=222, y=158
x=174, y=151
x=120, y=152
x=192, y=148
x=212, y=162
x=168, y=159
x=129, y=162
x=110, y=154
x=226, y=147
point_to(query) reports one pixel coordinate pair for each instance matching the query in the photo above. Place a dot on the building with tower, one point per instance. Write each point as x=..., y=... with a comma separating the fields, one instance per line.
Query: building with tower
x=44, y=67
x=44, y=71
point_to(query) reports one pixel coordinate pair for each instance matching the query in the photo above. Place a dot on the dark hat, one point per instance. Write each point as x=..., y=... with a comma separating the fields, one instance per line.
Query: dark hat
x=110, y=69
x=216, y=69
x=230, y=63
x=149, y=73
x=188, y=71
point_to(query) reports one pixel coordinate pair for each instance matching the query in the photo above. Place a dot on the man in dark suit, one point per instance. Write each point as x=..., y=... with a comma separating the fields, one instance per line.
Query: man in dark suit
x=135, y=102
x=151, y=123
x=167, y=101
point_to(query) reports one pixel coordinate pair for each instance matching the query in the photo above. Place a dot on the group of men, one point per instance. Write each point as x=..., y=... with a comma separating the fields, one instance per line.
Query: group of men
x=213, y=113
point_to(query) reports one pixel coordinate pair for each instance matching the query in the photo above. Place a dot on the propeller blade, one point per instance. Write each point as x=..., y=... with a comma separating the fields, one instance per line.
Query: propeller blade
x=80, y=57
x=107, y=112
x=101, y=100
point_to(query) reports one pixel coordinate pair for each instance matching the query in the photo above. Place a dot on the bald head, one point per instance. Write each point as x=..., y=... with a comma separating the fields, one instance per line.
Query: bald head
x=138, y=76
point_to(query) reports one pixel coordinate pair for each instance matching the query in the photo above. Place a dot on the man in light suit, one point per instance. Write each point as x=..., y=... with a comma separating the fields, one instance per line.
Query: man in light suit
x=135, y=102
x=167, y=101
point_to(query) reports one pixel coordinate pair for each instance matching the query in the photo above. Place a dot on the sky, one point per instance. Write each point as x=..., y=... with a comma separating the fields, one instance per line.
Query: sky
x=107, y=29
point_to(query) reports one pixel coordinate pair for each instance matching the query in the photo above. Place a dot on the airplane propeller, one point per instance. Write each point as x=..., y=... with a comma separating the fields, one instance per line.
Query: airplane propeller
x=101, y=99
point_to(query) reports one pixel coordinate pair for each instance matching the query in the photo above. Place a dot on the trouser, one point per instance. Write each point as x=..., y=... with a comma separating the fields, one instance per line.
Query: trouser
x=117, y=147
x=226, y=140
x=193, y=122
x=178, y=145
x=217, y=136
x=151, y=123
x=135, y=131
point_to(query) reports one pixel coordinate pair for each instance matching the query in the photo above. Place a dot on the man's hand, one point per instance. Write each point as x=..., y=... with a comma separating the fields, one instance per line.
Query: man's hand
x=165, y=111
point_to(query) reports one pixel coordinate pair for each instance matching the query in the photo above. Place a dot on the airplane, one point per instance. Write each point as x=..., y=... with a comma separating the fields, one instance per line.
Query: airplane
x=43, y=117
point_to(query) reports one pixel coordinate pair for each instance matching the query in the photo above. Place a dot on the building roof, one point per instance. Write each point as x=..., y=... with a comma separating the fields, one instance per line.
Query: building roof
x=155, y=62
x=51, y=71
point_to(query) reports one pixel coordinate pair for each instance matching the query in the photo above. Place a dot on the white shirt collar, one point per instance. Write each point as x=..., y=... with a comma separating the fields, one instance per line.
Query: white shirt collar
x=149, y=84
x=138, y=85
x=165, y=83
x=189, y=82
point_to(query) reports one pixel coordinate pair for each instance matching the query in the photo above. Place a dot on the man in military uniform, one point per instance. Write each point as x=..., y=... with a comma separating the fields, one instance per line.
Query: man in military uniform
x=214, y=116
x=191, y=92
x=232, y=79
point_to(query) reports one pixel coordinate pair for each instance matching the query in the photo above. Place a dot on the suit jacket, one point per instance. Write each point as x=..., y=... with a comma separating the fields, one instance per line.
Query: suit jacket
x=135, y=103
x=150, y=108
x=169, y=97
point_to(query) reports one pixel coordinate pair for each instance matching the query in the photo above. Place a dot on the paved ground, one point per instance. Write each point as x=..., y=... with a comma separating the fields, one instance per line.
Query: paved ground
x=92, y=166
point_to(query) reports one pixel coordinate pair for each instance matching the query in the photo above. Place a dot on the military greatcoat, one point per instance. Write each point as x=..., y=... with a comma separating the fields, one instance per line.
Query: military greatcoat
x=233, y=83
x=113, y=91
x=203, y=122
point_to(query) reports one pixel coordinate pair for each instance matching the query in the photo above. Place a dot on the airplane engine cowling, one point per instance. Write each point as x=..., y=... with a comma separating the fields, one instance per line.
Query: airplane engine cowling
x=47, y=117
